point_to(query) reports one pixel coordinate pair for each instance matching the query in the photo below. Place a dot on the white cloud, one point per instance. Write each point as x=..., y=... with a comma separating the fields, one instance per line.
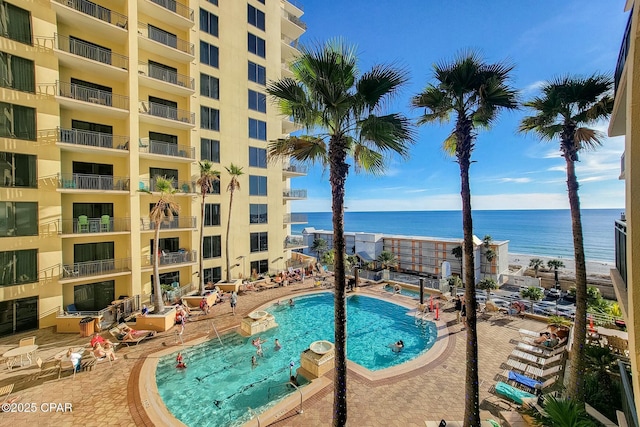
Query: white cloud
x=515, y=180
x=533, y=87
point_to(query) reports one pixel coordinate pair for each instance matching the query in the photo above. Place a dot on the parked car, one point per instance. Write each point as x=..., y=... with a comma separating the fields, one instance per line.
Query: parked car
x=569, y=298
x=554, y=293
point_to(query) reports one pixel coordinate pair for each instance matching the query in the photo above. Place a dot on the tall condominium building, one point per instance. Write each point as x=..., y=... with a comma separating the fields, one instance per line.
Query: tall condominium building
x=99, y=98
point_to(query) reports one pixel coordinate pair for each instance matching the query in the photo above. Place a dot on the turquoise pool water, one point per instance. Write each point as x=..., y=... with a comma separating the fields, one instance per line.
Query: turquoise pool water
x=406, y=292
x=220, y=384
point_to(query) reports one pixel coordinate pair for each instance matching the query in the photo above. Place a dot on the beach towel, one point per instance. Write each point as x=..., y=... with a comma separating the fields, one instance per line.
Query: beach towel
x=513, y=393
x=522, y=379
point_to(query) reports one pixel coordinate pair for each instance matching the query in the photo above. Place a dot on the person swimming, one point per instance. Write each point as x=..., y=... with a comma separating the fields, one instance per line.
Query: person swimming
x=180, y=362
x=397, y=346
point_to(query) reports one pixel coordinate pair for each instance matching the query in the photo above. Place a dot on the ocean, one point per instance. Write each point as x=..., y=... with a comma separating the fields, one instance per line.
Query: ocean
x=531, y=232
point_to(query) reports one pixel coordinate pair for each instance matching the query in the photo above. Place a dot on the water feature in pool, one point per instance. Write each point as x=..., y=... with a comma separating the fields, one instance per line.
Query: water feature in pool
x=220, y=384
x=405, y=291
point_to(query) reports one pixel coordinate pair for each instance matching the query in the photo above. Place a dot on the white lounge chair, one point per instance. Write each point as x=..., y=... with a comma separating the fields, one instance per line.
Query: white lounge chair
x=543, y=373
x=538, y=360
x=540, y=351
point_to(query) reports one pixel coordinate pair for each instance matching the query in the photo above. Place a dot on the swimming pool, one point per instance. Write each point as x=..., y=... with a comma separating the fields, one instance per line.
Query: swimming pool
x=220, y=384
x=405, y=292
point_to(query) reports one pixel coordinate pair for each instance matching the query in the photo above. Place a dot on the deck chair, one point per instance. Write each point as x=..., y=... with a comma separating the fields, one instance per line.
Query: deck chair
x=105, y=223
x=71, y=272
x=528, y=333
x=519, y=396
x=538, y=360
x=532, y=385
x=117, y=333
x=5, y=391
x=47, y=369
x=83, y=224
x=27, y=341
x=540, y=351
x=543, y=373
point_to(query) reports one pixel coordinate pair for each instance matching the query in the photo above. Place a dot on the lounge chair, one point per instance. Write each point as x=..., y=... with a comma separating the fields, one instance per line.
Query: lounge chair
x=519, y=396
x=530, y=384
x=538, y=360
x=540, y=351
x=48, y=368
x=5, y=391
x=141, y=335
x=528, y=333
x=27, y=341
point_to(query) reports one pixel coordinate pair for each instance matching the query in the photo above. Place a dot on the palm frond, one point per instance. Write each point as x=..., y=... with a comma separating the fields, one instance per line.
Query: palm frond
x=380, y=83
x=437, y=105
x=303, y=148
x=588, y=139
x=388, y=133
x=450, y=145
x=368, y=160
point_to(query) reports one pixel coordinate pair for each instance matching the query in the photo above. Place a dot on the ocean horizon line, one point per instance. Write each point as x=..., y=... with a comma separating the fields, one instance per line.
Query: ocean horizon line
x=474, y=210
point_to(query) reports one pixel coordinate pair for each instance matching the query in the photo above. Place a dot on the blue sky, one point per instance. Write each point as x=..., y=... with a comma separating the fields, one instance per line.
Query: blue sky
x=542, y=38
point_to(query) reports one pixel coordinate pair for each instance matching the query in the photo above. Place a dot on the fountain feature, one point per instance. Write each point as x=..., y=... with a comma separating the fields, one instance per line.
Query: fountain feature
x=257, y=322
x=318, y=359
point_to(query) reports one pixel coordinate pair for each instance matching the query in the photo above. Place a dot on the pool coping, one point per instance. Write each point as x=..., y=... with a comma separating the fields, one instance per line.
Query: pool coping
x=158, y=414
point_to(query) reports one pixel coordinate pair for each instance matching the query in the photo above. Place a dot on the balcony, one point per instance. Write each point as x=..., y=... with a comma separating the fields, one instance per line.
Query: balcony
x=181, y=222
x=289, y=48
x=168, y=259
x=107, y=224
x=77, y=182
x=165, y=44
x=151, y=149
x=76, y=54
x=289, y=194
x=164, y=115
x=183, y=187
x=289, y=4
x=291, y=25
x=168, y=11
x=620, y=242
x=294, y=170
x=295, y=218
x=88, y=18
x=77, y=97
x=84, y=141
x=294, y=242
x=285, y=70
x=103, y=267
x=624, y=51
x=160, y=78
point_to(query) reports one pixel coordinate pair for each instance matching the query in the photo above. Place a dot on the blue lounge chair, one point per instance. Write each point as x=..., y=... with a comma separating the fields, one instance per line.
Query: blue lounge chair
x=515, y=394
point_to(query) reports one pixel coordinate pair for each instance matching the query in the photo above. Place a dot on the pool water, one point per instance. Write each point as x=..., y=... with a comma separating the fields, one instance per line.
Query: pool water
x=405, y=292
x=220, y=383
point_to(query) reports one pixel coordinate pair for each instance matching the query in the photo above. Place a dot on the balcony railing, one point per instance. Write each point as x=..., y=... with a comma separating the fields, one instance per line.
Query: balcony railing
x=92, y=139
x=295, y=168
x=95, y=268
x=620, y=243
x=78, y=181
x=177, y=223
x=186, y=187
x=165, y=38
x=295, y=218
x=294, y=3
x=98, y=12
x=166, y=149
x=622, y=164
x=95, y=225
x=294, y=194
x=624, y=51
x=166, y=112
x=169, y=76
x=628, y=402
x=293, y=242
x=297, y=21
x=171, y=258
x=89, y=51
x=176, y=7
x=94, y=96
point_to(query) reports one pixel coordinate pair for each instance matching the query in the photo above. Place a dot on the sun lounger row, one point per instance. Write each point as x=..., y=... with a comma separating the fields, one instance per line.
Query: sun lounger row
x=534, y=371
x=538, y=360
x=125, y=335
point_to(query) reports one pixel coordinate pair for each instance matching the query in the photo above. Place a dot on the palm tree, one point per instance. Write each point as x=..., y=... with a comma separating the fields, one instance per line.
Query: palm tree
x=163, y=211
x=208, y=176
x=567, y=105
x=457, y=252
x=474, y=92
x=319, y=246
x=342, y=113
x=536, y=263
x=562, y=413
x=488, y=284
x=387, y=259
x=533, y=293
x=234, y=184
x=555, y=264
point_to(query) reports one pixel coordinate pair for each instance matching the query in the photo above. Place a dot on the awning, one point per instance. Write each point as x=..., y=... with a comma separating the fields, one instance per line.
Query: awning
x=364, y=256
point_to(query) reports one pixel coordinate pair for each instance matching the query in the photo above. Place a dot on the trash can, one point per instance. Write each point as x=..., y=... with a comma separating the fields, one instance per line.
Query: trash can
x=86, y=326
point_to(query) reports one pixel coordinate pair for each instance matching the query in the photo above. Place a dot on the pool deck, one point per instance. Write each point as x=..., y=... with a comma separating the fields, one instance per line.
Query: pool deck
x=428, y=388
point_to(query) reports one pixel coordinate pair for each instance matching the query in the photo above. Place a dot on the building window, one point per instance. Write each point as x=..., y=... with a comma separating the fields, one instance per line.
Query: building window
x=18, y=219
x=210, y=150
x=257, y=46
x=18, y=267
x=257, y=73
x=211, y=247
x=209, y=86
x=257, y=129
x=17, y=73
x=17, y=122
x=257, y=185
x=15, y=23
x=164, y=37
x=212, y=275
x=259, y=267
x=94, y=296
x=259, y=242
x=257, y=213
x=257, y=157
x=208, y=22
x=255, y=17
x=209, y=118
x=213, y=2
x=18, y=170
x=215, y=188
x=87, y=252
x=257, y=101
x=209, y=54
x=211, y=214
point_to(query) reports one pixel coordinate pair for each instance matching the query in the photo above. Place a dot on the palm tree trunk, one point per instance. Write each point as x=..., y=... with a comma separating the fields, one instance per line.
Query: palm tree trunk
x=227, y=239
x=157, y=301
x=338, y=176
x=201, y=257
x=575, y=387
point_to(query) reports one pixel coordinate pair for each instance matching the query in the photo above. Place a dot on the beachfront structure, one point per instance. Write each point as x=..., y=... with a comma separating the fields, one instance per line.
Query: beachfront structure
x=626, y=276
x=416, y=254
x=99, y=98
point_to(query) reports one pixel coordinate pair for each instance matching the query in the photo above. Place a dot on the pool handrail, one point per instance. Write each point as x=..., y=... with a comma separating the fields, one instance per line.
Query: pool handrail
x=251, y=411
x=288, y=383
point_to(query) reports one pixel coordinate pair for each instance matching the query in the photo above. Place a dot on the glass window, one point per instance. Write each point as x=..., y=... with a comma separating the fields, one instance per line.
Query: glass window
x=257, y=73
x=17, y=122
x=257, y=157
x=17, y=73
x=259, y=267
x=87, y=252
x=212, y=275
x=210, y=150
x=209, y=86
x=18, y=170
x=257, y=185
x=94, y=296
x=259, y=242
x=18, y=219
x=257, y=46
x=257, y=213
x=255, y=17
x=257, y=129
x=15, y=23
x=211, y=214
x=215, y=189
x=211, y=247
x=209, y=54
x=208, y=22
x=209, y=118
x=18, y=267
x=257, y=101
x=261, y=1
x=162, y=36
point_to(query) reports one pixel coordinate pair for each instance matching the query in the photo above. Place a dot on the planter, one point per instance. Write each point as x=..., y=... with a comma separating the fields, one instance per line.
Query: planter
x=233, y=286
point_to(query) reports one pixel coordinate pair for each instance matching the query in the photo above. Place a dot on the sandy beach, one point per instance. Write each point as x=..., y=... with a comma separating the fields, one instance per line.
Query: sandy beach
x=594, y=268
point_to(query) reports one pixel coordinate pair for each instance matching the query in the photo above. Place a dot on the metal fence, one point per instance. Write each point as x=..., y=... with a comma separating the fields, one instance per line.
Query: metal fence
x=92, y=139
x=95, y=268
x=176, y=7
x=94, y=96
x=177, y=223
x=90, y=51
x=167, y=112
x=78, y=181
x=104, y=224
x=166, y=149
